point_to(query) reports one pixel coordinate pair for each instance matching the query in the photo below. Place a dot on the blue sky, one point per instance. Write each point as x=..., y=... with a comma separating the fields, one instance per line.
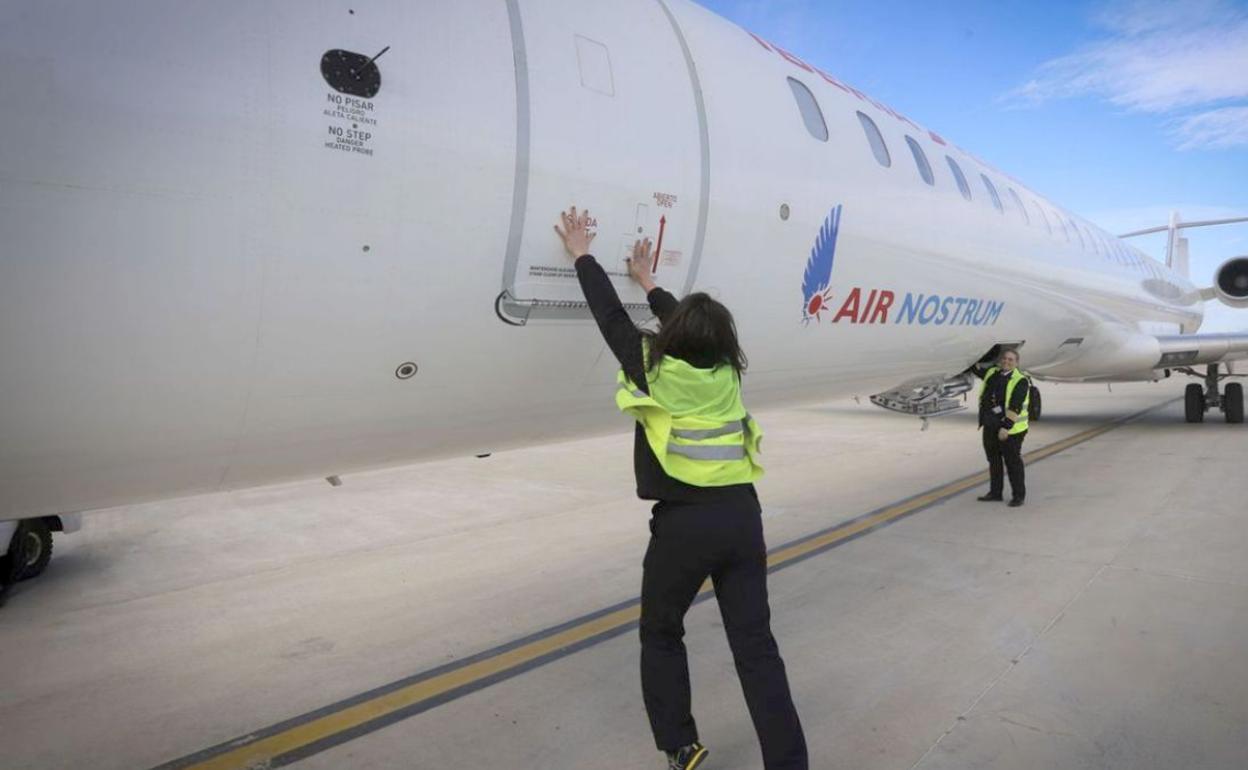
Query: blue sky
x=1118, y=110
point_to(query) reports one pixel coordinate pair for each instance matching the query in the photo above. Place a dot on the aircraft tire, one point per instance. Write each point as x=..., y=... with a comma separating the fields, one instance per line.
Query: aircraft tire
x=1194, y=403
x=1233, y=403
x=37, y=550
x=1033, y=407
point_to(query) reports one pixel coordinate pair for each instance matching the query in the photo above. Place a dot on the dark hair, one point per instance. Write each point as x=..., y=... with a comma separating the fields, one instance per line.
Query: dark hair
x=701, y=332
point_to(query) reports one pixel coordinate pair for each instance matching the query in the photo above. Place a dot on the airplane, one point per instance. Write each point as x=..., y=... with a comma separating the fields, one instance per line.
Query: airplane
x=246, y=243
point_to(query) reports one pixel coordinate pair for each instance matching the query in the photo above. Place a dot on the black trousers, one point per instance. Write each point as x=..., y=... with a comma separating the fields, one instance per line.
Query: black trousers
x=1008, y=453
x=722, y=540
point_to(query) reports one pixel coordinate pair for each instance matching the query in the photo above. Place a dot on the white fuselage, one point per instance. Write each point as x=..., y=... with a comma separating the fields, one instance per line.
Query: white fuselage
x=212, y=263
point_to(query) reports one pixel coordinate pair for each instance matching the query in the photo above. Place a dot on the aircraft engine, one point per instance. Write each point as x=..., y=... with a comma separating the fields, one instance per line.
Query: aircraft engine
x=1231, y=282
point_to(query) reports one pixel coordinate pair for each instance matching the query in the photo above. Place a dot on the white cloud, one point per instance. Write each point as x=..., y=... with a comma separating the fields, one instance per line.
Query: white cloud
x=1226, y=127
x=1187, y=61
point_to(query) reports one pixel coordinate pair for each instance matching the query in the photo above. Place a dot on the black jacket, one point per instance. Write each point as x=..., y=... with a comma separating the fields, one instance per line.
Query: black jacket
x=994, y=395
x=624, y=340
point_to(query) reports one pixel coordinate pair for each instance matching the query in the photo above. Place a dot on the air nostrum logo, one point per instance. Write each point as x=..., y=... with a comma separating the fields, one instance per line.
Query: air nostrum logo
x=877, y=306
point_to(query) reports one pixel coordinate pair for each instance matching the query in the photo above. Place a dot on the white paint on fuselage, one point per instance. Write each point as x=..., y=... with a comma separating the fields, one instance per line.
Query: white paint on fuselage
x=187, y=304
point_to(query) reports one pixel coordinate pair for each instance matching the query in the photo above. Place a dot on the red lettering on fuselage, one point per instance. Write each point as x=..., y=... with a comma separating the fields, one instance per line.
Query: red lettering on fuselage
x=761, y=42
x=793, y=59
x=866, y=309
x=849, y=309
x=831, y=80
x=896, y=114
x=881, y=308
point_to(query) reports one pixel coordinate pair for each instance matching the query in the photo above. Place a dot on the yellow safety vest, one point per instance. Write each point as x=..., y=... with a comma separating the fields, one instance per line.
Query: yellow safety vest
x=695, y=422
x=1016, y=377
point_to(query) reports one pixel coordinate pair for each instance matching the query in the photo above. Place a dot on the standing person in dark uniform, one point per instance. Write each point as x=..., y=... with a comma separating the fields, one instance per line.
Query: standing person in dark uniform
x=1003, y=399
x=696, y=455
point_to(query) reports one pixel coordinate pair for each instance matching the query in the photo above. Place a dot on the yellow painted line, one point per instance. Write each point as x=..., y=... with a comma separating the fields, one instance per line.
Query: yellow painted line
x=874, y=520
x=893, y=512
x=353, y=716
x=262, y=751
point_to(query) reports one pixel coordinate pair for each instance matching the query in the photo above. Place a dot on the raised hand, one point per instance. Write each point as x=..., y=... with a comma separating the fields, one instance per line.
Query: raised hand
x=641, y=265
x=575, y=232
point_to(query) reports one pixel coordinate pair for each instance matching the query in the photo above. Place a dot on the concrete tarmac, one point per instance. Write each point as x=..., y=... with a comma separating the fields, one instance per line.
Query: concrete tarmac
x=1099, y=626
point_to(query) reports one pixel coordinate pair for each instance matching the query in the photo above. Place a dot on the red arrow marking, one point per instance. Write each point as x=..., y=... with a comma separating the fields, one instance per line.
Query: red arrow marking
x=658, y=246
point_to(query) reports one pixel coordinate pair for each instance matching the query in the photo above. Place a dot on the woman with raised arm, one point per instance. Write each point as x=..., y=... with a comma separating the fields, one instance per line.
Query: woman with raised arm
x=696, y=455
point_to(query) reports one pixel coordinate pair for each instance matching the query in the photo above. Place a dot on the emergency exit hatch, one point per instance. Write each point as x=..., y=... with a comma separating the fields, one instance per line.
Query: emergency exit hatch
x=613, y=127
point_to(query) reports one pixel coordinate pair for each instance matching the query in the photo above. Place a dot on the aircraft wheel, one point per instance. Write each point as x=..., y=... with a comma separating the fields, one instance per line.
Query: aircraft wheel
x=1194, y=403
x=1033, y=407
x=36, y=547
x=1233, y=402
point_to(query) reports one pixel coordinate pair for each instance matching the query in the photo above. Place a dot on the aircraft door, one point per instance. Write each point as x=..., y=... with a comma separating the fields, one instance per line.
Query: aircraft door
x=609, y=119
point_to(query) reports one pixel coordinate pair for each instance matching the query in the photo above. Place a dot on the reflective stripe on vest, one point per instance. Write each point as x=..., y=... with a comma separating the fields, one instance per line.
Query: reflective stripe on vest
x=707, y=451
x=695, y=423
x=736, y=426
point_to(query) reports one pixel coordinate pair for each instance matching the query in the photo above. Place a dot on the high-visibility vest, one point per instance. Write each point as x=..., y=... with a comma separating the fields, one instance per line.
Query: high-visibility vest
x=695, y=422
x=1016, y=376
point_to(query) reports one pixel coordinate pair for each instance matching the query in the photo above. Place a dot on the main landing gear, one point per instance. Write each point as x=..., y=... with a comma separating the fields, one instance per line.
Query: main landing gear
x=28, y=552
x=26, y=546
x=1197, y=400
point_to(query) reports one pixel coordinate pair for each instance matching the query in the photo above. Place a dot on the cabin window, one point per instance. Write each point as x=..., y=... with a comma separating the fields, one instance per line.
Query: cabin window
x=812, y=116
x=1061, y=226
x=876, y=140
x=1093, y=239
x=920, y=160
x=1043, y=217
x=992, y=193
x=959, y=177
x=1018, y=202
x=1082, y=244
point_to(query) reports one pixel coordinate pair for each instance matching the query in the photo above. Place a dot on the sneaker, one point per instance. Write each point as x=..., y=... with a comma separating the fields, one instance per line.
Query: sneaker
x=686, y=757
x=990, y=498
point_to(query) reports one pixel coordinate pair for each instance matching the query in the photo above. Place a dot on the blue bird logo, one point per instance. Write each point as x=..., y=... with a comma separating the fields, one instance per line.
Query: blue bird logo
x=818, y=275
